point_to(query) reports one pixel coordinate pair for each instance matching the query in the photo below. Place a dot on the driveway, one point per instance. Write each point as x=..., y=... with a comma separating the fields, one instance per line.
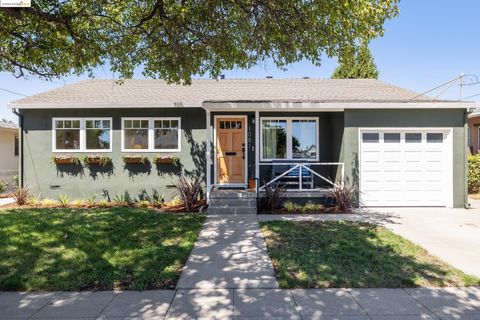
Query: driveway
x=450, y=234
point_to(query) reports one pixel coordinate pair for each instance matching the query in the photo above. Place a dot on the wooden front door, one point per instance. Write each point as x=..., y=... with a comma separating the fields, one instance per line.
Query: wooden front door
x=230, y=150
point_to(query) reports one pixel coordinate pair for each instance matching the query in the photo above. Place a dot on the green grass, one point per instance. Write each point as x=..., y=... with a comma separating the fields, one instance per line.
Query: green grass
x=347, y=254
x=104, y=249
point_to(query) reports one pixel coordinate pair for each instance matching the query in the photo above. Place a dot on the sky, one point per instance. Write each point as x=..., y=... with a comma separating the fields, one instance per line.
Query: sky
x=429, y=43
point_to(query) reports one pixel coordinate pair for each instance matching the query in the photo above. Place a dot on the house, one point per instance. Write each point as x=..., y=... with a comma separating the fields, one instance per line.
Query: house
x=8, y=152
x=400, y=148
x=473, y=134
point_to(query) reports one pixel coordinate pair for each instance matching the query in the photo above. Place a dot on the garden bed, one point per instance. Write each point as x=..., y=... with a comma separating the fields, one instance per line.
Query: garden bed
x=353, y=255
x=95, y=249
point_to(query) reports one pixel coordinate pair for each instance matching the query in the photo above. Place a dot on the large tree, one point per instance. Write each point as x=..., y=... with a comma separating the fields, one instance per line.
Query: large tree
x=359, y=65
x=175, y=39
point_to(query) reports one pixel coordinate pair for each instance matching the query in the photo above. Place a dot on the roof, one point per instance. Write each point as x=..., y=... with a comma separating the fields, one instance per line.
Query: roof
x=8, y=125
x=157, y=93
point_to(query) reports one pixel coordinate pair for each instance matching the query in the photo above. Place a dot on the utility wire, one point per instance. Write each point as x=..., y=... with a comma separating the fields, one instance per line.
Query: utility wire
x=13, y=92
x=475, y=95
x=443, y=84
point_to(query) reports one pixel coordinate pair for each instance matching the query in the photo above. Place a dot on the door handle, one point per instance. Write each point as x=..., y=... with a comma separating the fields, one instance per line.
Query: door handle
x=243, y=151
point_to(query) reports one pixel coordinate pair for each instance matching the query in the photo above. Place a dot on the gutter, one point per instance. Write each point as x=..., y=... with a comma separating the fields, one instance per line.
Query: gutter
x=20, y=147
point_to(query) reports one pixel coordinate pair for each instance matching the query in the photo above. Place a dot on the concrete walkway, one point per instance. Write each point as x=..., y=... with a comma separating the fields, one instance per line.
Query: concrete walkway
x=230, y=253
x=5, y=201
x=344, y=304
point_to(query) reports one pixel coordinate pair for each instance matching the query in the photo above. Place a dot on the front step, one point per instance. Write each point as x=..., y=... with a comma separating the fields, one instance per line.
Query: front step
x=232, y=202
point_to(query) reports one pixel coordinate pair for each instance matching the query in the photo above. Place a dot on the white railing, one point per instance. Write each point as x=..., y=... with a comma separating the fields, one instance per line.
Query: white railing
x=307, y=166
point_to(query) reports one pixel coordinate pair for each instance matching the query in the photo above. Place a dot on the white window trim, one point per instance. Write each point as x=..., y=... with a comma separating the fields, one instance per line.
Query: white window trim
x=289, y=139
x=151, y=135
x=83, y=135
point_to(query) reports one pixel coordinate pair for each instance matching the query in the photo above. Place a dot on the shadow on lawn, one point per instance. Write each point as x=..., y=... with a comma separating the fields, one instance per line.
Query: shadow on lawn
x=101, y=249
x=352, y=254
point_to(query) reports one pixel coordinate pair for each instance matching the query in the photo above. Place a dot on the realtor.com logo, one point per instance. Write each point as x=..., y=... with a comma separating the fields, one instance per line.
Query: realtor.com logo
x=15, y=3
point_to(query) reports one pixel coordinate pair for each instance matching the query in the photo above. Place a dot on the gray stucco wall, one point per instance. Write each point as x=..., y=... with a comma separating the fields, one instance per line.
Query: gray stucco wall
x=45, y=178
x=447, y=118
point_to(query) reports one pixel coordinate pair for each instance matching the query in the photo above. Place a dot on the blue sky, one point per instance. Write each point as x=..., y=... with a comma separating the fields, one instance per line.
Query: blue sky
x=430, y=42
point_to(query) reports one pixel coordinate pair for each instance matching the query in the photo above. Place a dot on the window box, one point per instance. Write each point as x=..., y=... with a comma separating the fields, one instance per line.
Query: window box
x=165, y=160
x=97, y=160
x=65, y=159
x=135, y=159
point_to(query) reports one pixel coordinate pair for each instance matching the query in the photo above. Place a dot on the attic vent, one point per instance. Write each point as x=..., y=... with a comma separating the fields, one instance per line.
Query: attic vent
x=269, y=77
x=222, y=77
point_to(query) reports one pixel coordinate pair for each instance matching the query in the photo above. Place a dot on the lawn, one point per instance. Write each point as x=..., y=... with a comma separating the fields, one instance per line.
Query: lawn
x=348, y=254
x=98, y=249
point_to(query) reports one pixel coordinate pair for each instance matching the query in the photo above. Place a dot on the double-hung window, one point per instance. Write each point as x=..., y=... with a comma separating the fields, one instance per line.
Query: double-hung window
x=289, y=138
x=151, y=134
x=82, y=135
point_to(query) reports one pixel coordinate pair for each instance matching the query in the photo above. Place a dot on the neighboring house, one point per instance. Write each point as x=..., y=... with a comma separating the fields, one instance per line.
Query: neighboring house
x=8, y=152
x=399, y=148
x=473, y=134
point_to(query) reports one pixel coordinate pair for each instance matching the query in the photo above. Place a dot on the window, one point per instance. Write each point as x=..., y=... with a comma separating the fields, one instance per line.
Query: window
x=289, y=138
x=391, y=137
x=16, y=146
x=413, y=137
x=151, y=134
x=98, y=134
x=166, y=134
x=434, y=137
x=370, y=137
x=82, y=134
x=67, y=134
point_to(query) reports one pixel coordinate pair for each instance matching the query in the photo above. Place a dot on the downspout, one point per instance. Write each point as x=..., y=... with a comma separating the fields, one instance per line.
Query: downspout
x=20, y=147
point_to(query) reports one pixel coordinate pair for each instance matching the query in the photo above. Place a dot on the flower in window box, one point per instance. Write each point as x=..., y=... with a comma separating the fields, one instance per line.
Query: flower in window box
x=96, y=159
x=165, y=160
x=65, y=159
x=135, y=159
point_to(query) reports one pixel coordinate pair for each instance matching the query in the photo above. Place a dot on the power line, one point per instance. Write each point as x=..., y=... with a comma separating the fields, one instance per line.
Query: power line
x=475, y=95
x=13, y=92
x=443, y=84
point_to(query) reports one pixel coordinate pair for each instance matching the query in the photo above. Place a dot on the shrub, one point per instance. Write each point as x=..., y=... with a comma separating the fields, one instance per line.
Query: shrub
x=291, y=206
x=474, y=173
x=91, y=201
x=64, y=200
x=312, y=208
x=48, y=202
x=189, y=191
x=34, y=200
x=3, y=186
x=345, y=197
x=124, y=200
x=274, y=195
x=21, y=195
x=16, y=181
x=156, y=199
x=77, y=203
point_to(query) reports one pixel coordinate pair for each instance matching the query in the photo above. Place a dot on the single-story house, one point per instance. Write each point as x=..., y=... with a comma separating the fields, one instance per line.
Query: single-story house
x=473, y=134
x=8, y=153
x=398, y=147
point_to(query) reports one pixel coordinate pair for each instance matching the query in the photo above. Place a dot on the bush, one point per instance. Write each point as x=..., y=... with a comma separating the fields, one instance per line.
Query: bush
x=189, y=191
x=474, y=173
x=64, y=200
x=3, y=186
x=21, y=195
x=274, y=195
x=16, y=181
x=345, y=197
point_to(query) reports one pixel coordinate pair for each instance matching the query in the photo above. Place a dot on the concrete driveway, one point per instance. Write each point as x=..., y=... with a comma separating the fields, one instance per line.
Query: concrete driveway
x=450, y=234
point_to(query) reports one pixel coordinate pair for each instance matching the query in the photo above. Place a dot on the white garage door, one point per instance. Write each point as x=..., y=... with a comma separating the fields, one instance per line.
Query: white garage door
x=405, y=167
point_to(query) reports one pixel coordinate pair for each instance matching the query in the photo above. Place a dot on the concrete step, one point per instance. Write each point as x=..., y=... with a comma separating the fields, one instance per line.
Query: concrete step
x=232, y=194
x=232, y=210
x=233, y=202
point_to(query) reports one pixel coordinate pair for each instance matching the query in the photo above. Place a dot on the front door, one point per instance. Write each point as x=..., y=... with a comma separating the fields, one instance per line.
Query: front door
x=230, y=150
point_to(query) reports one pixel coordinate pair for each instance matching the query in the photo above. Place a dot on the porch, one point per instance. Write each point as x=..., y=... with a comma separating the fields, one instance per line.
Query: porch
x=256, y=150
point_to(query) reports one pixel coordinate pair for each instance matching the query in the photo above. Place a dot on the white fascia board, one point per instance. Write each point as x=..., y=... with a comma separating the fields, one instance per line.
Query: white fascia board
x=102, y=106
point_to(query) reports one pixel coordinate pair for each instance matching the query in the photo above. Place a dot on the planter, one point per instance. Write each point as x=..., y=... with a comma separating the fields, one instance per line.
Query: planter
x=165, y=160
x=134, y=159
x=252, y=184
x=97, y=160
x=65, y=160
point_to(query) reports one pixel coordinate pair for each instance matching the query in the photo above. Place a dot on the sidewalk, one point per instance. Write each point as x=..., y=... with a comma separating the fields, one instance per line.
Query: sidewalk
x=345, y=304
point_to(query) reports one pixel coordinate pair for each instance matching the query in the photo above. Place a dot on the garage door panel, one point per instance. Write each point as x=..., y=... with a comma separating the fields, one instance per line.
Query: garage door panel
x=409, y=172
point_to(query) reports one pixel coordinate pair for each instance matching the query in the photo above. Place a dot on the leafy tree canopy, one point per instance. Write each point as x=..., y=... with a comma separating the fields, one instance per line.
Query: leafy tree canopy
x=359, y=65
x=175, y=39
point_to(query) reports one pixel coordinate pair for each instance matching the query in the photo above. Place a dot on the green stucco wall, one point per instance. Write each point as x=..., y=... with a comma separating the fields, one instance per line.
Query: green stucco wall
x=447, y=118
x=45, y=178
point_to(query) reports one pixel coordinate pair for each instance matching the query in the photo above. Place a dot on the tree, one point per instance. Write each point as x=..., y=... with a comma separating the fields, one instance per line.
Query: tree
x=358, y=65
x=173, y=40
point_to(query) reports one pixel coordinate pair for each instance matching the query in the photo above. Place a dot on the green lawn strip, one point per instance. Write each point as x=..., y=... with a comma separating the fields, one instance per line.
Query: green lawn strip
x=355, y=255
x=99, y=249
